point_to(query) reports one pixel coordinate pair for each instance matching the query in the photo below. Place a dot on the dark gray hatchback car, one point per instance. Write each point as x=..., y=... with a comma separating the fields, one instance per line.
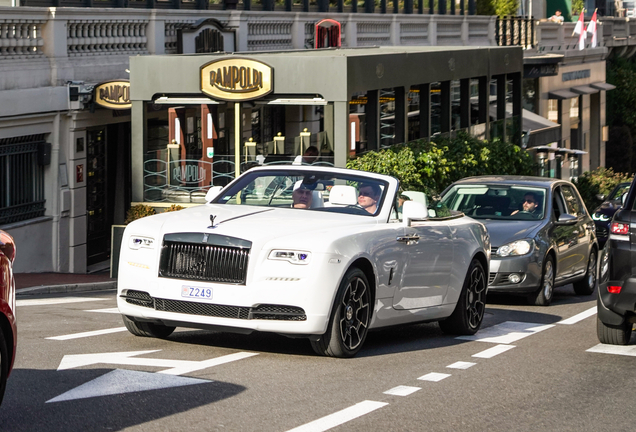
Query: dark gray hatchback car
x=542, y=235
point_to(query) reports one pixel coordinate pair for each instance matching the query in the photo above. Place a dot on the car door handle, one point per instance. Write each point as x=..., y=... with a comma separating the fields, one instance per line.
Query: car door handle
x=408, y=238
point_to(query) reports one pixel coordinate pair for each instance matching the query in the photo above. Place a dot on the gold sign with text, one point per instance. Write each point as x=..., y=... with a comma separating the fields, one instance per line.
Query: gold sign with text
x=236, y=79
x=113, y=95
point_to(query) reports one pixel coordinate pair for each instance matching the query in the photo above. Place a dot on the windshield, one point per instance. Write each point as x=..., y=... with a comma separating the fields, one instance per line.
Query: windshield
x=307, y=190
x=497, y=201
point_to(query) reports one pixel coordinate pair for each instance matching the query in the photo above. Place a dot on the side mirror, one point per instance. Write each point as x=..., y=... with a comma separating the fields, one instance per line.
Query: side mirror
x=212, y=193
x=413, y=210
x=567, y=219
x=600, y=197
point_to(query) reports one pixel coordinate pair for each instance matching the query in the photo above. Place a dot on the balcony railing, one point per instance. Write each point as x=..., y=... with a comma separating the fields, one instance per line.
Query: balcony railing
x=338, y=6
x=515, y=31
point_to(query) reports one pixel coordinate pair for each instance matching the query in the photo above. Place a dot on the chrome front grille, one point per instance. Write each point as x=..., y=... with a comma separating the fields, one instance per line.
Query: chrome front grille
x=204, y=262
x=262, y=312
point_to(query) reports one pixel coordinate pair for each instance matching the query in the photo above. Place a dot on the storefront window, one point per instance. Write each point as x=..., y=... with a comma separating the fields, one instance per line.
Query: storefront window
x=191, y=147
x=553, y=110
x=436, y=108
x=387, y=117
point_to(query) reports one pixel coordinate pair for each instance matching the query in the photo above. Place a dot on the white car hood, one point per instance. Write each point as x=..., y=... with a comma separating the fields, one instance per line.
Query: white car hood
x=257, y=224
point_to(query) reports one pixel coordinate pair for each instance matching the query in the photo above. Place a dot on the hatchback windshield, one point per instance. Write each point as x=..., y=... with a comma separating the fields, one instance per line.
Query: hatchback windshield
x=307, y=190
x=497, y=201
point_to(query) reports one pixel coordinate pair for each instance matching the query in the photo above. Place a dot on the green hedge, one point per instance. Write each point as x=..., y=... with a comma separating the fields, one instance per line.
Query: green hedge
x=432, y=166
x=599, y=181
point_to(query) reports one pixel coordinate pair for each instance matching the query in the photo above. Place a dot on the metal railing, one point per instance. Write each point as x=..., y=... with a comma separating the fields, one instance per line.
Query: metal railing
x=22, y=190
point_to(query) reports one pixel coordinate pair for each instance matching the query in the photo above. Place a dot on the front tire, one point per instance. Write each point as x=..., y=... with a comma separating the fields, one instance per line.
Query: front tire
x=613, y=335
x=469, y=311
x=350, y=317
x=586, y=285
x=4, y=364
x=146, y=329
x=543, y=297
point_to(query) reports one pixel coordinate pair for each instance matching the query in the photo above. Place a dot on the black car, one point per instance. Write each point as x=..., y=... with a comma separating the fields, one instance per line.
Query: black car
x=617, y=290
x=603, y=214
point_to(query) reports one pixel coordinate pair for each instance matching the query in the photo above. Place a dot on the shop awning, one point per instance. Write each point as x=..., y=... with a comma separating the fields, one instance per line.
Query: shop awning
x=558, y=151
x=602, y=86
x=562, y=94
x=542, y=131
x=584, y=89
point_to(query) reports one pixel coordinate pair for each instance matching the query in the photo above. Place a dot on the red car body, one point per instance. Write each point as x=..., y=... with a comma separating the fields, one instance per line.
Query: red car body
x=7, y=309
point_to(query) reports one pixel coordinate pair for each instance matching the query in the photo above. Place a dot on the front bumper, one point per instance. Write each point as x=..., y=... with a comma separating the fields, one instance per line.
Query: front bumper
x=501, y=268
x=278, y=297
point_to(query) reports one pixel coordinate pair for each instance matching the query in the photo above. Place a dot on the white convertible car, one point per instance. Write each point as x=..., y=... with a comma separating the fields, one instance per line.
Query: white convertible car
x=304, y=251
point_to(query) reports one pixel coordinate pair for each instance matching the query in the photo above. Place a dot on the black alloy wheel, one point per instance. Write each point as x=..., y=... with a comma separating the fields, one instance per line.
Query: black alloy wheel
x=586, y=285
x=543, y=297
x=350, y=318
x=469, y=311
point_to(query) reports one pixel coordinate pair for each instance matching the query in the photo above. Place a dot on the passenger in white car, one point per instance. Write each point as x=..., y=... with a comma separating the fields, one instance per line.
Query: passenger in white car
x=368, y=196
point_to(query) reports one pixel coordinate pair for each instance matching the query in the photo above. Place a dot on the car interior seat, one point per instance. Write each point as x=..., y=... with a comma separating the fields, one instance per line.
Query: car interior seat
x=317, y=200
x=343, y=195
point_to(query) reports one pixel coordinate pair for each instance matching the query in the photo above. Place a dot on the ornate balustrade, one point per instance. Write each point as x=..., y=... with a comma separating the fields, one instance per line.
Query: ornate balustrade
x=21, y=38
x=58, y=35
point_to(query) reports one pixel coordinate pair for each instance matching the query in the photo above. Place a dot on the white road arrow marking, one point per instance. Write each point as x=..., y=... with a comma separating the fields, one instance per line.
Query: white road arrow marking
x=88, y=334
x=626, y=350
x=340, y=417
x=125, y=381
x=579, y=317
x=176, y=367
x=507, y=332
x=52, y=301
x=109, y=310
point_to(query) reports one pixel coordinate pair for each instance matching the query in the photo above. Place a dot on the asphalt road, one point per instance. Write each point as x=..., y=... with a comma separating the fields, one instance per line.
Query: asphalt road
x=531, y=371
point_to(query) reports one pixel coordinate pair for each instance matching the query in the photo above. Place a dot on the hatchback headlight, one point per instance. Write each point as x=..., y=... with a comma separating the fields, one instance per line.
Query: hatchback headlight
x=516, y=248
x=137, y=242
x=292, y=256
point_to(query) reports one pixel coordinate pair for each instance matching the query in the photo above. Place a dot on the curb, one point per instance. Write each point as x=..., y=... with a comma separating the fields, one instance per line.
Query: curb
x=57, y=289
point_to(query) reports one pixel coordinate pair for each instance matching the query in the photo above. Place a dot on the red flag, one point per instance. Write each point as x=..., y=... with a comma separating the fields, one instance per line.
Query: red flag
x=591, y=28
x=579, y=28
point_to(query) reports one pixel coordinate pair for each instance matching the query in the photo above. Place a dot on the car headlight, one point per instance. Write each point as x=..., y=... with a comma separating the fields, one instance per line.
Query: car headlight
x=292, y=256
x=600, y=217
x=519, y=247
x=137, y=242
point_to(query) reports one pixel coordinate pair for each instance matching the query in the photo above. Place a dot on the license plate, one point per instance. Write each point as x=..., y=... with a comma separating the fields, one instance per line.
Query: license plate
x=196, y=292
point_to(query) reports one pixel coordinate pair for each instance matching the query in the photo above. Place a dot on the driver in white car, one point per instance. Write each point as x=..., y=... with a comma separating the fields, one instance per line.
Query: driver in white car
x=302, y=196
x=529, y=204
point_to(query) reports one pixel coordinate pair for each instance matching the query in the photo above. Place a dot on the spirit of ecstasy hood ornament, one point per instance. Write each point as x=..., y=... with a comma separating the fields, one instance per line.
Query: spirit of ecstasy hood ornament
x=212, y=217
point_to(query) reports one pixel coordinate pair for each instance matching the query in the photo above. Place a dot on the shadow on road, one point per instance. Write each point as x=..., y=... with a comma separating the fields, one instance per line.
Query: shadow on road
x=562, y=295
x=397, y=339
x=21, y=412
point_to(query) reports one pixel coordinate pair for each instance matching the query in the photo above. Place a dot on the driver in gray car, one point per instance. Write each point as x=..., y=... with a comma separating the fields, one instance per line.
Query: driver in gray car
x=530, y=204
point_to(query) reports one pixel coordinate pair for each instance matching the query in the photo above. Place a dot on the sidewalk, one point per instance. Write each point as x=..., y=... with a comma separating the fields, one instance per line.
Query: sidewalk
x=49, y=283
